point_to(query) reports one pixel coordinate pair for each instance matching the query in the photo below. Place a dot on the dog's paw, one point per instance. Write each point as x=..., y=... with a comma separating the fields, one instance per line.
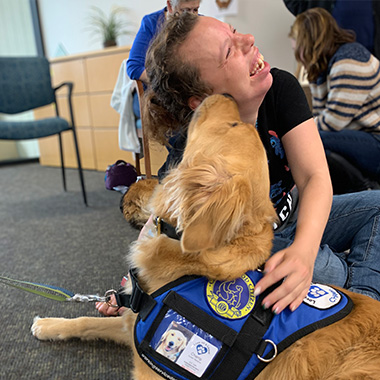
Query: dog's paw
x=48, y=329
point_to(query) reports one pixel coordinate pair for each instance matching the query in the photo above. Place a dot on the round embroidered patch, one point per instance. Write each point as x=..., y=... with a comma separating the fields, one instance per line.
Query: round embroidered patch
x=322, y=297
x=231, y=299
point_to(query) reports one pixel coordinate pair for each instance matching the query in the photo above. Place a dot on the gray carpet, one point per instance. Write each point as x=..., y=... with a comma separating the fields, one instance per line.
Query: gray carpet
x=49, y=236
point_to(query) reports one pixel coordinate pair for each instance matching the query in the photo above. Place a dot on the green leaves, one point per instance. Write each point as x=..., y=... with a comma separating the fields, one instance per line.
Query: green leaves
x=111, y=26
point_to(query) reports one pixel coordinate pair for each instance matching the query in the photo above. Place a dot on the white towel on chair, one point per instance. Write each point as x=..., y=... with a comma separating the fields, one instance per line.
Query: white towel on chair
x=122, y=102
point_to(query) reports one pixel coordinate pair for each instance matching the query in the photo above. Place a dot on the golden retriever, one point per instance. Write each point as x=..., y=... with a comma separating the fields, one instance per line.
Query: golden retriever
x=218, y=197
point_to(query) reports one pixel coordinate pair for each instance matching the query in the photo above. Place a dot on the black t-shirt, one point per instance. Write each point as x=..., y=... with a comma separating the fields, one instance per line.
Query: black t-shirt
x=284, y=107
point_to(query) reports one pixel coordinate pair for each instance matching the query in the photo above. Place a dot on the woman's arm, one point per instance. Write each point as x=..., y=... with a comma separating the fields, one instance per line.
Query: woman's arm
x=136, y=59
x=144, y=77
x=295, y=264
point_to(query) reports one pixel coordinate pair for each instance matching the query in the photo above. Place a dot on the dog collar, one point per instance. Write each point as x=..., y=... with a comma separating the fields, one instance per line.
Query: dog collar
x=166, y=228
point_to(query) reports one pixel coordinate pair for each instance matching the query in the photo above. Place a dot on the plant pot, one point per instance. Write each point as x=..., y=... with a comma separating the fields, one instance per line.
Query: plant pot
x=109, y=43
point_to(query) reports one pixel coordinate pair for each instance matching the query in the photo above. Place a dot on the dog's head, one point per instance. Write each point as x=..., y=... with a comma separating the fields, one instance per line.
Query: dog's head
x=222, y=182
x=172, y=342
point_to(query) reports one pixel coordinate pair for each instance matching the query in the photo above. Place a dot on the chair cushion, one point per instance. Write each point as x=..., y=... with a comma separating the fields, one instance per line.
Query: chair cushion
x=24, y=130
x=25, y=84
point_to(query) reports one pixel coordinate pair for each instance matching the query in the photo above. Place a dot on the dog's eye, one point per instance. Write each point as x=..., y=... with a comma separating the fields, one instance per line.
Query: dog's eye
x=234, y=124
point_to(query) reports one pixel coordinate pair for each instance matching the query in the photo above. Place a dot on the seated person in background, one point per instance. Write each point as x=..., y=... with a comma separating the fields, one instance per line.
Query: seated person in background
x=150, y=24
x=345, y=86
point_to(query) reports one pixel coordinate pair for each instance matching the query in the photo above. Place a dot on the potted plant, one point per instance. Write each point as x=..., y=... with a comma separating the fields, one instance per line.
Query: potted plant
x=108, y=27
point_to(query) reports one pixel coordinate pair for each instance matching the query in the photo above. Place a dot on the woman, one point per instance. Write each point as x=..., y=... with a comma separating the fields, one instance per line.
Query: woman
x=193, y=57
x=345, y=85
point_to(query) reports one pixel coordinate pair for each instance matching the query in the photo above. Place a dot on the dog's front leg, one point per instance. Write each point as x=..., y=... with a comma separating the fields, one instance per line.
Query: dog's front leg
x=86, y=328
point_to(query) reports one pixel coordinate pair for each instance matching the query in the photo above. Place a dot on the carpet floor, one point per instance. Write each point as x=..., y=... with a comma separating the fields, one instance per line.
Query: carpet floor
x=49, y=236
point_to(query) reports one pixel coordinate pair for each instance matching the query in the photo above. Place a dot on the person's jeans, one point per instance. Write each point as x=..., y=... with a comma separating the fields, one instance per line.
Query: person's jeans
x=349, y=255
x=136, y=105
x=361, y=148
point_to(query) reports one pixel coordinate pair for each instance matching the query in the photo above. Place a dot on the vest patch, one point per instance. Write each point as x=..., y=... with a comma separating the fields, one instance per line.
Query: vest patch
x=231, y=299
x=322, y=297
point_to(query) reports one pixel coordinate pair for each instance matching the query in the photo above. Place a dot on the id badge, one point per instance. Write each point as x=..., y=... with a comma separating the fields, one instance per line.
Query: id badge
x=185, y=344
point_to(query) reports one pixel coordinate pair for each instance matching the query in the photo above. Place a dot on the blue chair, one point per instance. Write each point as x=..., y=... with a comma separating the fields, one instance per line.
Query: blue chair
x=25, y=84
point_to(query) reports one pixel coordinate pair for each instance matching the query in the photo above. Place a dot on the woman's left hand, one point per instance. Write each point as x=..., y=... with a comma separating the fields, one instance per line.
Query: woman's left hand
x=295, y=268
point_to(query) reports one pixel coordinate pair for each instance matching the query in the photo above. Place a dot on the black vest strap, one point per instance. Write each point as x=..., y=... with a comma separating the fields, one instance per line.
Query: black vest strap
x=138, y=301
x=249, y=342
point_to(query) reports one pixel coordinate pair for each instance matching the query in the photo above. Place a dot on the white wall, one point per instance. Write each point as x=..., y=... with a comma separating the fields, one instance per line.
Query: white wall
x=16, y=28
x=17, y=39
x=65, y=22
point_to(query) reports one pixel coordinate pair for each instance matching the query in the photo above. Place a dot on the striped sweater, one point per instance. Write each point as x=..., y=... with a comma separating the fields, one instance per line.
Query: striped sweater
x=348, y=95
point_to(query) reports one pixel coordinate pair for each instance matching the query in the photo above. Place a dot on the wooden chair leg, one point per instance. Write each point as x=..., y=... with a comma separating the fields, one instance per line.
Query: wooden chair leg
x=137, y=164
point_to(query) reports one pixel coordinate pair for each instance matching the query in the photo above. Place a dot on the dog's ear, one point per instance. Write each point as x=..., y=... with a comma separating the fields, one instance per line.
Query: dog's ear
x=216, y=206
x=164, y=336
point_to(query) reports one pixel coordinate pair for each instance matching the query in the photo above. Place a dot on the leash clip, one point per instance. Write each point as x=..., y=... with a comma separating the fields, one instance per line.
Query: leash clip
x=86, y=298
x=107, y=297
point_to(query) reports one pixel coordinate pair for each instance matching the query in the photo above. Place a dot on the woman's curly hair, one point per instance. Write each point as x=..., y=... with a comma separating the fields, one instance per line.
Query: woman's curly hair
x=317, y=37
x=172, y=80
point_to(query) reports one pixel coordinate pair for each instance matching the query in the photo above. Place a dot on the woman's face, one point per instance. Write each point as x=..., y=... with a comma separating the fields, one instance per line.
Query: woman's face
x=184, y=6
x=228, y=61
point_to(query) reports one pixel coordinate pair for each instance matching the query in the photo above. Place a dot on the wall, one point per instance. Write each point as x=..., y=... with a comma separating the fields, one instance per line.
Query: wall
x=65, y=22
x=17, y=39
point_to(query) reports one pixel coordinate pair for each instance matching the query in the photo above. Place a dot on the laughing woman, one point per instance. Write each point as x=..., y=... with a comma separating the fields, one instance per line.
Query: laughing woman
x=321, y=238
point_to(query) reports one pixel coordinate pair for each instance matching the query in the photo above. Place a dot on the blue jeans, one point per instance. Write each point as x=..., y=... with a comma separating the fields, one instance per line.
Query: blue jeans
x=362, y=149
x=136, y=105
x=349, y=255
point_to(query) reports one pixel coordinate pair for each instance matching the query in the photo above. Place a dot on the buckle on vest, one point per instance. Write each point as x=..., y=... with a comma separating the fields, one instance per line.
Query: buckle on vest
x=138, y=301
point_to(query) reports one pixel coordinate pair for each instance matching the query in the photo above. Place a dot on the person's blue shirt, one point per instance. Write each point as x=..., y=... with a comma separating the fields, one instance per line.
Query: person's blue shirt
x=357, y=16
x=150, y=24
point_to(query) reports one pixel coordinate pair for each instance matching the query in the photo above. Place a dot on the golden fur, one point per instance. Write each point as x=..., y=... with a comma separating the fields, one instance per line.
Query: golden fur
x=134, y=203
x=218, y=198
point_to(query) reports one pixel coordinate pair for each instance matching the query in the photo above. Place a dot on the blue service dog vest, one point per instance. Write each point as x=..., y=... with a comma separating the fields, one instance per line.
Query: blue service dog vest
x=194, y=328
